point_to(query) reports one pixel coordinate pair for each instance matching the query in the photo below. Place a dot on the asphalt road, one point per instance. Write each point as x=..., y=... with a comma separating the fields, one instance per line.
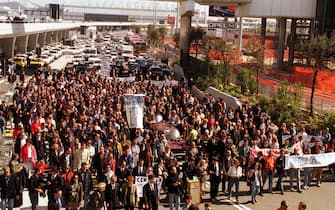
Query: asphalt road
x=316, y=198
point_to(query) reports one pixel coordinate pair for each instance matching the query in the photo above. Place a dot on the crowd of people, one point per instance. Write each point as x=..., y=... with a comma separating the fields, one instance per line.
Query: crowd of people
x=73, y=145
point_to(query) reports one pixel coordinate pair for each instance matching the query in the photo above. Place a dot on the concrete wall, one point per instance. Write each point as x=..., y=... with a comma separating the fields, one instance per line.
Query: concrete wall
x=228, y=99
x=7, y=46
x=278, y=8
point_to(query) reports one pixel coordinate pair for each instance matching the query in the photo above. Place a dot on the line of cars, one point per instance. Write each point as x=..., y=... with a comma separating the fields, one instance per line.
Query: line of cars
x=39, y=57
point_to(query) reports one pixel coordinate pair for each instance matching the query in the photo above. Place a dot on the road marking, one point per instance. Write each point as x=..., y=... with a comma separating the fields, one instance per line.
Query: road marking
x=238, y=206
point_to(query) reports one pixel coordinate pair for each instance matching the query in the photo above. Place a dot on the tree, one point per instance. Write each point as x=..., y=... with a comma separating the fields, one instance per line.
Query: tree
x=153, y=35
x=255, y=48
x=162, y=31
x=317, y=51
x=227, y=57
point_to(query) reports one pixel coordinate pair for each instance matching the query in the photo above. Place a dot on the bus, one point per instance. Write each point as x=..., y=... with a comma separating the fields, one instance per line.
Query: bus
x=139, y=47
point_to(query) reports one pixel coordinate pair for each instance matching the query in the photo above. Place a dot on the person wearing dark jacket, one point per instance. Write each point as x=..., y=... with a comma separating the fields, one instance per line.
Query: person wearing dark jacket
x=35, y=187
x=56, y=202
x=113, y=194
x=9, y=189
x=85, y=179
x=55, y=181
x=150, y=194
x=215, y=171
x=280, y=167
x=174, y=184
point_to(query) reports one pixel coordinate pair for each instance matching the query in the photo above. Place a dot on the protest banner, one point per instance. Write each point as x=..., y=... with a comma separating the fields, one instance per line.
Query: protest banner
x=163, y=83
x=126, y=79
x=134, y=109
x=140, y=181
x=309, y=161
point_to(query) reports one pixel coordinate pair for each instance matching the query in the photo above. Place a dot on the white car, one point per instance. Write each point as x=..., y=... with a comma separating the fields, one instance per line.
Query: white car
x=46, y=59
x=55, y=53
x=95, y=61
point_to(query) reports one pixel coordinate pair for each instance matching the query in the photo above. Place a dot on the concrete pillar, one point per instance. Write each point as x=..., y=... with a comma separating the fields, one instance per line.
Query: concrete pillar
x=32, y=41
x=281, y=41
x=184, y=42
x=55, y=37
x=291, y=42
x=240, y=34
x=21, y=44
x=7, y=45
x=49, y=38
x=41, y=39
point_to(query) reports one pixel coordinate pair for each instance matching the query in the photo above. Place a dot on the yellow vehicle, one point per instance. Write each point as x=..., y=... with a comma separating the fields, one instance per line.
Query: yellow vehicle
x=37, y=62
x=20, y=61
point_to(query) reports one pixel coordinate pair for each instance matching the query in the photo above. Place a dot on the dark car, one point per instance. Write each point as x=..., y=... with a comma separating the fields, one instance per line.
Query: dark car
x=156, y=72
x=165, y=68
x=132, y=68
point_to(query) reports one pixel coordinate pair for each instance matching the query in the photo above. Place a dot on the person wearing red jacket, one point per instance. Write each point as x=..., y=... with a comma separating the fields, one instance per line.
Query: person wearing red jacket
x=28, y=153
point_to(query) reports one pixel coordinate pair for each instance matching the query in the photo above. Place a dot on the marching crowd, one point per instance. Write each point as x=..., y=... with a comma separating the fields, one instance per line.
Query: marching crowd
x=73, y=145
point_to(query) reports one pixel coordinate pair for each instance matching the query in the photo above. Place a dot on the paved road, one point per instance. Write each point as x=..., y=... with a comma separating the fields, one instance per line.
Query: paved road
x=316, y=198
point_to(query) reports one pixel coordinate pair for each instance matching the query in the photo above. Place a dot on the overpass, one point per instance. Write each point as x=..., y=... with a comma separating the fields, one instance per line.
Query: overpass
x=23, y=37
x=279, y=9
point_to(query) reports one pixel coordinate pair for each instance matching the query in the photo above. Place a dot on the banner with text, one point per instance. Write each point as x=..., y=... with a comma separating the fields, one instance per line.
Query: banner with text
x=134, y=104
x=309, y=161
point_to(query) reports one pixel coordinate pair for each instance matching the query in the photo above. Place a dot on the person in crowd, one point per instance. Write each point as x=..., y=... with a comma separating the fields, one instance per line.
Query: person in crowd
x=302, y=205
x=9, y=189
x=129, y=197
x=270, y=162
x=307, y=172
x=123, y=172
x=227, y=163
x=35, y=186
x=256, y=178
x=202, y=173
x=73, y=194
x=295, y=174
x=317, y=171
x=283, y=205
x=235, y=173
x=140, y=169
x=174, y=185
x=85, y=178
x=56, y=202
x=188, y=204
x=113, y=194
x=97, y=199
x=215, y=171
x=150, y=194
x=67, y=175
x=55, y=181
x=280, y=167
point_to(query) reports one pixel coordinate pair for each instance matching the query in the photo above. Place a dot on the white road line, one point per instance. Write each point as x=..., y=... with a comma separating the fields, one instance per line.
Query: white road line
x=238, y=206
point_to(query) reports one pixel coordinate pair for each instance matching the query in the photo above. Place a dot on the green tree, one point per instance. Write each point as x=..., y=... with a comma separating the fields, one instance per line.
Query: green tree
x=317, y=51
x=162, y=31
x=255, y=49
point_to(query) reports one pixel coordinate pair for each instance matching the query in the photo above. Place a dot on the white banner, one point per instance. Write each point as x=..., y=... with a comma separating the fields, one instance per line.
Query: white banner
x=163, y=83
x=126, y=79
x=140, y=181
x=134, y=104
x=306, y=161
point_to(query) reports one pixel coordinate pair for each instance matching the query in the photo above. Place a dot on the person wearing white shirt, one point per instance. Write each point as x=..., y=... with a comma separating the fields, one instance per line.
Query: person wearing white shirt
x=235, y=173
